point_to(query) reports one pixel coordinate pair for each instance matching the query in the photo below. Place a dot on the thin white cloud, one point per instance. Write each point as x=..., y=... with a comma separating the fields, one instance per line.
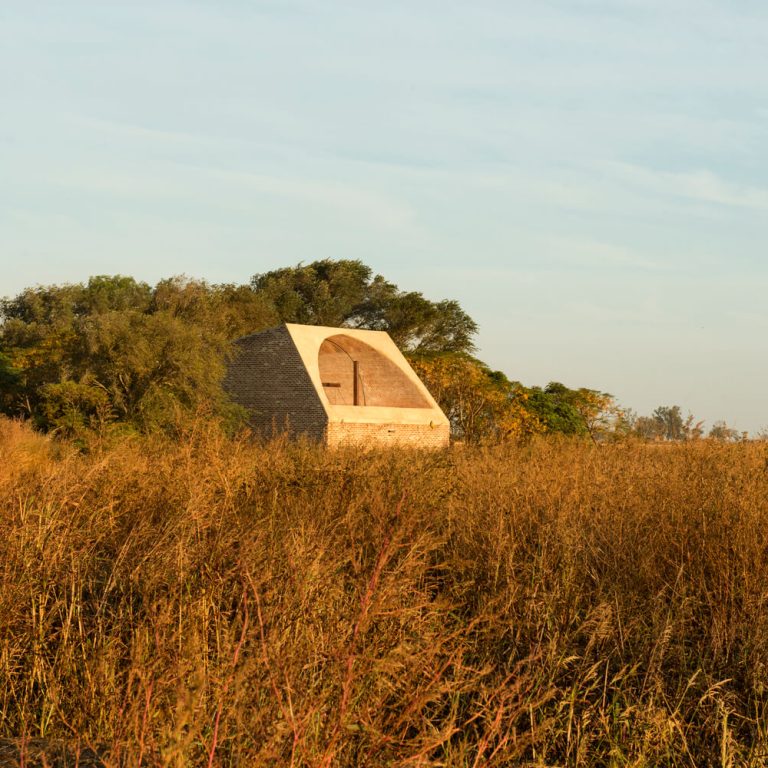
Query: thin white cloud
x=508, y=153
x=353, y=200
x=124, y=130
x=589, y=252
x=701, y=185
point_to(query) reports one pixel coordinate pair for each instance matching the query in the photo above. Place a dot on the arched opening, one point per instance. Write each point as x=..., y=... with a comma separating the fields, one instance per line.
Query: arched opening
x=354, y=373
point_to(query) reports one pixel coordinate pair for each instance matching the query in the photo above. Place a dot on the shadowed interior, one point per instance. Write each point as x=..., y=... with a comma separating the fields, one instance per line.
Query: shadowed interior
x=380, y=382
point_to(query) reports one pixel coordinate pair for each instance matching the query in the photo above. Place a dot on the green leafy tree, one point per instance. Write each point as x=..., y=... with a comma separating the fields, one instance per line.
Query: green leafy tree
x=554, y=407
x=671, y=425
x=666, y=423
x=73, y=408
x=109, y=351
x=117, y=293
x=346, y=293
x=9, y=382
x=321, y=293
x=648, y=428
x=669, y=421
x=582, y=412
x=230, y=310
x=721, y=431
x=624, y=423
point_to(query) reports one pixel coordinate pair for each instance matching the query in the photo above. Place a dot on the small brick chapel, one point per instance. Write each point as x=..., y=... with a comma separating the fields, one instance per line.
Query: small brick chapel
x=338, y=386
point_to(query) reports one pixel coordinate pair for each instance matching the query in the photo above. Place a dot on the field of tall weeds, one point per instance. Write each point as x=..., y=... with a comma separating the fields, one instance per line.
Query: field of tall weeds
x=212, y=601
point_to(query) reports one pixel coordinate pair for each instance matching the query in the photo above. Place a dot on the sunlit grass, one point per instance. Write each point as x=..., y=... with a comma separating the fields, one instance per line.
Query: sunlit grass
x=217, y=602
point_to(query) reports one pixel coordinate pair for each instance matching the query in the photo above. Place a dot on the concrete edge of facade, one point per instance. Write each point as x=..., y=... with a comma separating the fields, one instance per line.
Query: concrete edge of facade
x=308, y=339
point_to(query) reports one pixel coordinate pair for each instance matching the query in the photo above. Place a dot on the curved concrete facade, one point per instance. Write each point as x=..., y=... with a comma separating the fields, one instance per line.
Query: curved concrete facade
x=337, y=385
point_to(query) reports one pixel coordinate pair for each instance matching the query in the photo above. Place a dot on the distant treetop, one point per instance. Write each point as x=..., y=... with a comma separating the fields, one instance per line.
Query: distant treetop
x=346, y=293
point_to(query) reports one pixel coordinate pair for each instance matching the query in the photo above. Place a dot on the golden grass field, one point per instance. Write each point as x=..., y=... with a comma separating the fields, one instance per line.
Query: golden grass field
x=215, y=602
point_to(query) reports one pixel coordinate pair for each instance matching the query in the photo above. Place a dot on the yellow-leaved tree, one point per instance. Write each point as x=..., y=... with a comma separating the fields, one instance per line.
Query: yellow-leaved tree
x=482, y=405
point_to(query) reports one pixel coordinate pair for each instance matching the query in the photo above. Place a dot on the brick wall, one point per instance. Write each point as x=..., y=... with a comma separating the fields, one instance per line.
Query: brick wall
x=381, y=382
x=268, y=378
x=409, y=435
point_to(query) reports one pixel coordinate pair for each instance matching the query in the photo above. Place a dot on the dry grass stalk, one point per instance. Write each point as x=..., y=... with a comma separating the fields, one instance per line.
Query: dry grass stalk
x=217, y=602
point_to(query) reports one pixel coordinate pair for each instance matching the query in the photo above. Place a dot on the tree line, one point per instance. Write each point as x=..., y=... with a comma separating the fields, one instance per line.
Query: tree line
x=116, y=355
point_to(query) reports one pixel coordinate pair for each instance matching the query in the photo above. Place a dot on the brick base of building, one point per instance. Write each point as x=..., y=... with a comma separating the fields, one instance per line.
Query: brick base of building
x=372, y=435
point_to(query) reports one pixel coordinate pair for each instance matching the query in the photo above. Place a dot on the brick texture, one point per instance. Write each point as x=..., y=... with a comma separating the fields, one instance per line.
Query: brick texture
x=380, y=382
x=410, y=435
x=268, y=378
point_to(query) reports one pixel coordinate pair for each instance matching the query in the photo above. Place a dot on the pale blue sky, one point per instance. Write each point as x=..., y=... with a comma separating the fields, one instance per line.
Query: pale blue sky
x=588, y=178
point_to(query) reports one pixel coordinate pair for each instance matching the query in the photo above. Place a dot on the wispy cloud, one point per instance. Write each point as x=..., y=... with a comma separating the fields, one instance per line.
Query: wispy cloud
x=587, y=252
x=700, y=185
x=135, y=132
x=508, y=153
x=352, y=200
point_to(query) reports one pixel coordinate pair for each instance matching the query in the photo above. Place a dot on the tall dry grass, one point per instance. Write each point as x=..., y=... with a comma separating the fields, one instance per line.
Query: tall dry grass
x=219, y=603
